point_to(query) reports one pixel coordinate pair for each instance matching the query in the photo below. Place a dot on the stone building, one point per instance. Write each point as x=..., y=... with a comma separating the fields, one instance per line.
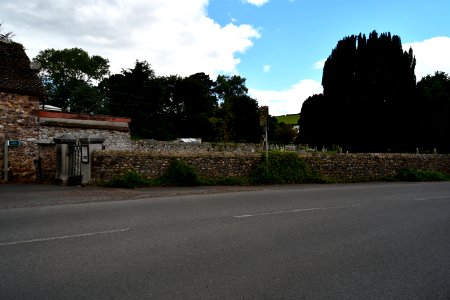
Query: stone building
x=32, y=154
x=20, y=93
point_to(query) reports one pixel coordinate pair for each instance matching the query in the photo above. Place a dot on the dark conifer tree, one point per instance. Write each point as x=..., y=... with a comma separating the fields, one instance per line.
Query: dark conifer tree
x=368, y=84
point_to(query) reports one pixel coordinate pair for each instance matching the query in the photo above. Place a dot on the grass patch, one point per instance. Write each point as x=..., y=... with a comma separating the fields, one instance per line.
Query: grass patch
x=289, y=119
x=415, y=175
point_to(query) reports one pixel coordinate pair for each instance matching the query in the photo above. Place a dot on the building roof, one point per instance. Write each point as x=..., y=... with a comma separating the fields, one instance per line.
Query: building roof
x=16, y=76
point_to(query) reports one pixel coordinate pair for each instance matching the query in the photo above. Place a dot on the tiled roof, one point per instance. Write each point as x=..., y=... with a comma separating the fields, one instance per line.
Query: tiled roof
x=16, y=76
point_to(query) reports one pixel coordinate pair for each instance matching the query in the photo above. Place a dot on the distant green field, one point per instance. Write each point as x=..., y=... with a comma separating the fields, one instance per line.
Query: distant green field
x=288, y=119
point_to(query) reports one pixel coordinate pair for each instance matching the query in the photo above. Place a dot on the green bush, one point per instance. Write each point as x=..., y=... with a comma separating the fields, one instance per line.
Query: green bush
x=280, y=168
x=129, y=180
x=180, y=174
x=420, y=175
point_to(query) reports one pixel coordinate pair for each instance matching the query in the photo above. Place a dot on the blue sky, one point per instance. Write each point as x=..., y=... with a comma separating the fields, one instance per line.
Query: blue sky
x=279, y=46
x=297, y=34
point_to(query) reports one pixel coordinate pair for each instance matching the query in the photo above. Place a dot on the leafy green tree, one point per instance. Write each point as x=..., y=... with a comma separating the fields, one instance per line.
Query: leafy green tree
x=229, y=86
x=241, y=119
x=238, y=113
x=284, y=134
x=137, y=93
x=190, y=103
x=71, y=78
x=433, y=115
x=173, y=106
x=199, y=105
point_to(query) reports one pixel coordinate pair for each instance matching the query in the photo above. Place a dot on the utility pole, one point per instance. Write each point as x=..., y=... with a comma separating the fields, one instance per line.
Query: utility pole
x=264, y=121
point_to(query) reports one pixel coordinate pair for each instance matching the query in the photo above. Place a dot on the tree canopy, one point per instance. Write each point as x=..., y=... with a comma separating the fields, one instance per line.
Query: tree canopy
x=170, y=107
x=371, y=101
x=160, y=107
x=433, y=115
x=71, y=77
x=135, y=93
x=369, y=88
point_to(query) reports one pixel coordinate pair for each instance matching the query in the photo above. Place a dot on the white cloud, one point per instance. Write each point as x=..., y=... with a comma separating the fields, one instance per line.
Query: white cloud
x=174, y=36
x=288, y=101
x=256, y=2
x=432, y=55
x=320, y=64
x=266, y=68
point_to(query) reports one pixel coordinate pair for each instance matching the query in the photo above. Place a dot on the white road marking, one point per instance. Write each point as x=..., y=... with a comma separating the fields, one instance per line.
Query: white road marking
x=432, y=198
x=294, y=211
x=62, y=237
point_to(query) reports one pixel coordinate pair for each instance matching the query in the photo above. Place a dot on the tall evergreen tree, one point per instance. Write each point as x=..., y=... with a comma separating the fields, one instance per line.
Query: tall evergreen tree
x=369, y=85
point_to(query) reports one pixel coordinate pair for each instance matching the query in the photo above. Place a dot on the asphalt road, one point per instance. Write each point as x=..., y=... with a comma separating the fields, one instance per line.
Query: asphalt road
x=359, y=241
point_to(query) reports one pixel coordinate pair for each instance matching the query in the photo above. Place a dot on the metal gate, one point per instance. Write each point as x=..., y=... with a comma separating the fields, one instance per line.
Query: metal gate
x=74, y=176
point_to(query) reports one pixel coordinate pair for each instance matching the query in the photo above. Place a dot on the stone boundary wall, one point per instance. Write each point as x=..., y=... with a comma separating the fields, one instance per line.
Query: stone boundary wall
x=346, y=167
x=46, y=163
x=108, y=164
x=114, y=130
x=114, y=140
x=358, y=167
x=180, y=147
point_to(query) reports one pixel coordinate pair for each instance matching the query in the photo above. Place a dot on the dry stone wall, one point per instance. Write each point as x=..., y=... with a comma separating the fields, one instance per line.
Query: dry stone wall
x=357, y=167
x=187, y=148
x=108, y=164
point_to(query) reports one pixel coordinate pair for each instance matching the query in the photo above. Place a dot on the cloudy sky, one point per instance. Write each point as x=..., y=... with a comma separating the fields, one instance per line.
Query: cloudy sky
x=279, y=46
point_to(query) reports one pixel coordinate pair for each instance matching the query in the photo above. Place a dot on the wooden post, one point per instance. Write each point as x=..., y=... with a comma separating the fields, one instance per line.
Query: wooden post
x=264, y=121
x=5, y=161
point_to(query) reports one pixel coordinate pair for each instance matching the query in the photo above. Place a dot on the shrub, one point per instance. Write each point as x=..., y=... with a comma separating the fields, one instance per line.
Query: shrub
x=180, y=174
x=279, y=168
x=420, y=175
x=129, y=180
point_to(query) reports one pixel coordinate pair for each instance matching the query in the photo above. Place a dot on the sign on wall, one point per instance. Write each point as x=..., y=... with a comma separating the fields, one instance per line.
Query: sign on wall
x=263, y=115
x=85, y=154
x=14, y=143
